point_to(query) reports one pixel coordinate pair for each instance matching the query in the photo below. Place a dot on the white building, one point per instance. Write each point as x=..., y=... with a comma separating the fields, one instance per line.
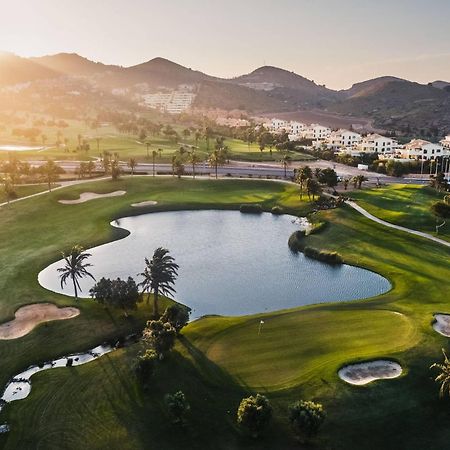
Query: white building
x=343, y=139
x=278, y=125
x=375, y=143
x=317, y=132
x=297, y=128
x=421, y=149
x=446, y=142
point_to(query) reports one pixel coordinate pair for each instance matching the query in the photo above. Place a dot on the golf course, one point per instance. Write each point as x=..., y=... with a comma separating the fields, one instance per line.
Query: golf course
x=218, y=360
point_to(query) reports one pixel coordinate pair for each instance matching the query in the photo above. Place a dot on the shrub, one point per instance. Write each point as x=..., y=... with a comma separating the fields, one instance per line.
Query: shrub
x=295, y=241
x=317, y=227
x=306, y=418
x=253, y=208
x=441, y=209
x=177, y=316
x=69, y=362
x=177, y=406
x=254, y=414
x=146, y=365
x=160, y=336
x=324, y=256
x=278, y=210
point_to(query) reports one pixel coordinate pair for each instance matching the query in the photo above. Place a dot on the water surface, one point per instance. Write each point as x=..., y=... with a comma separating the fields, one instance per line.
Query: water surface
x=230, y=263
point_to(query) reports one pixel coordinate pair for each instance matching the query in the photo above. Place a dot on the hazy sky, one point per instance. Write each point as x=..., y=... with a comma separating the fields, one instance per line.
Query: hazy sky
x=336, y=42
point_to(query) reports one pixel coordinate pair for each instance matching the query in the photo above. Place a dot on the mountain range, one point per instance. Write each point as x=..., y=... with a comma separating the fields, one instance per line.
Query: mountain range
x=388, y=102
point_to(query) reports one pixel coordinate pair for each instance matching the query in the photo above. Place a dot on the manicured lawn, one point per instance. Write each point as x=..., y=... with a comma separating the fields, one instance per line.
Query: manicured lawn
x=128, y=146
x=23, y=191
x=219, y=359
x=404, y=204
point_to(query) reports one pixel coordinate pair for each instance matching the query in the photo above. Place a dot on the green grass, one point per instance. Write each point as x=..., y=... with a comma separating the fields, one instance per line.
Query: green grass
x=128, y=146
x=405, y=205
x=23, y=191
x=220, y=359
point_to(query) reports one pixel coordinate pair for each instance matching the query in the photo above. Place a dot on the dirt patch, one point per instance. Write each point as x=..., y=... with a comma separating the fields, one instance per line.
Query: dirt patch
x=146, y=203
x=363, y=373
x=29, y=316
x=87, y=196
x=442, y=324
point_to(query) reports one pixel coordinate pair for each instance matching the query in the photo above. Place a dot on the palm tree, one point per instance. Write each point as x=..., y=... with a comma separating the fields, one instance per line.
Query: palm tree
x=159, y=276
x=444, y=377
x=285, y=162
x=194, y=159
x=312, y=188
x=90, y=167
x=148, y=147
x=75, y=268
x=132, y=165
x=154, y=153
x=303, y=174
x=216, y=159
x=51, y=172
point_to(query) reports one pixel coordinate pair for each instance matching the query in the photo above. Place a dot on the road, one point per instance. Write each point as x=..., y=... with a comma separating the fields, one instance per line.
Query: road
x=256, y=170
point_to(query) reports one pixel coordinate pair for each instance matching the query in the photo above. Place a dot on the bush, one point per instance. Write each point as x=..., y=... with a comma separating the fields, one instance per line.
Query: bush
x=177, y=316
x=159, y=336
x=254, y=414
x=177, y=406
x=441, y=209
x=324, y=256
x=278, y=210
x=146, y=365
x=295, y=241
x=253, y=208
x=306, y=418
x=69, y=362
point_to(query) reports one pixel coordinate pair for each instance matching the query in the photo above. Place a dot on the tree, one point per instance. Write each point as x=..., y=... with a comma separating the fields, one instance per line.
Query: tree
x=312, y=188
x=444, y=375
x=303, y=174
x=154, y=153
x=285, y=163
x=194, y=159
x=441, y=209
x=159, y=336
x=132, y=163
x=75, y=268
x=254, y=414
x=306, y=418
x=177, y=316
x=159, y=275
x=8, y=189
x=90, y=168
x=148, y=144
x=216, y=159
x=105, y=159
x=146, y=365
x=358, y=180
x=186, y=132
x=115, y=167
x=328, y=177
x=177, y=407
x=50, y=170
x=346, y=181
x=116, y=293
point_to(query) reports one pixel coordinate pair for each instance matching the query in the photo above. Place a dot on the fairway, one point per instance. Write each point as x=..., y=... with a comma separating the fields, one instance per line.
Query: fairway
x=407, y=205
x=219, y=359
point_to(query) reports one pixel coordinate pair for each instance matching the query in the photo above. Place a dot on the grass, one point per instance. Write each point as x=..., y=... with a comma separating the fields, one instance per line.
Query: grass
x=128, y=146
x=405, y=205
x=220, y=359
x=23, y=191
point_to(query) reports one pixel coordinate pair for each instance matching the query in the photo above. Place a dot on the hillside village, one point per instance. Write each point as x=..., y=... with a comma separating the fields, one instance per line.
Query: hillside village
x=356, y=144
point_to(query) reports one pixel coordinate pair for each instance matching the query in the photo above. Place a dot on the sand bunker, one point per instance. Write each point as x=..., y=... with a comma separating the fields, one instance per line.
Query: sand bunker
x=364, y=373
x=442, y=324
x=87, y=196
x=27, y=317
x=146, y=203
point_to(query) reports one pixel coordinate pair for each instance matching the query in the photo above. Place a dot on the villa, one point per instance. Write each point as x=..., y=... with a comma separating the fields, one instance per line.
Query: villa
x=376, y=143
x=423, y=150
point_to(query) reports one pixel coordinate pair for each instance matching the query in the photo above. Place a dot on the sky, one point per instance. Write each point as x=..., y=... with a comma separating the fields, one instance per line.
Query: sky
x=333, y=42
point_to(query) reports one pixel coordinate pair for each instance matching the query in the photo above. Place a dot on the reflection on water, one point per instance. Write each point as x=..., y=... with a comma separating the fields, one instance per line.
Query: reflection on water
x=230, y=263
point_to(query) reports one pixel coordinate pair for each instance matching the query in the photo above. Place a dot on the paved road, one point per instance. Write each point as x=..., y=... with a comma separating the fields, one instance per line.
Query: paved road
x=247, y=169
x=397, y=227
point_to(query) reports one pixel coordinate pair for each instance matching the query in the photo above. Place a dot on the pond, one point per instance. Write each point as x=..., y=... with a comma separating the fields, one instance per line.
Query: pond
x=19, y=148
x=230, y=263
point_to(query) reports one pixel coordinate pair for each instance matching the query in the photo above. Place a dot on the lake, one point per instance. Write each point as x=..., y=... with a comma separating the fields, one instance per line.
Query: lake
x=230, y=263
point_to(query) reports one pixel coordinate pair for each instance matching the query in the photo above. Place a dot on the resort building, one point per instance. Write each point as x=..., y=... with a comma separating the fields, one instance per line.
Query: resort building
x=376, y=143
x=421, y=149
x=343, y=139
x=174, y=102
x=446, y=142
x=317, y=132
x=297, y=128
